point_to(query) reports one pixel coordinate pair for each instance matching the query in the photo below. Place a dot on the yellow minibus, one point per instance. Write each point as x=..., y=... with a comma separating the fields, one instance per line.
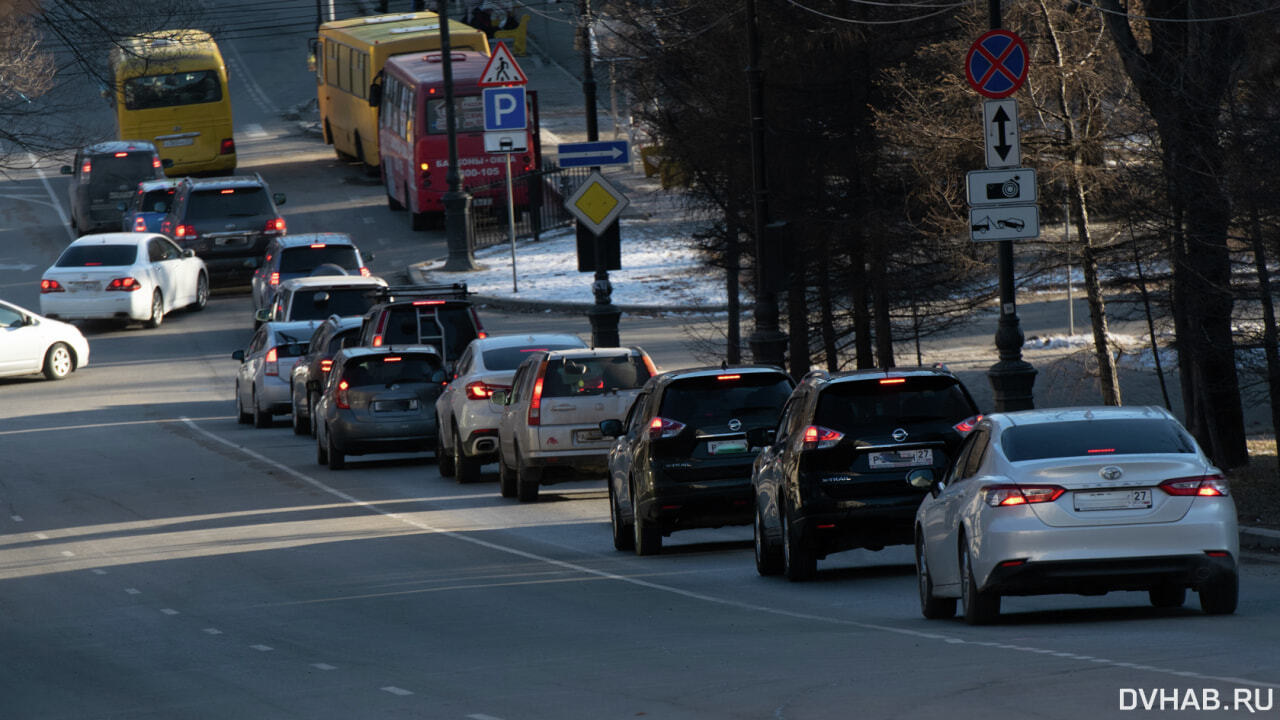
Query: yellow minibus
x=349, y=55
x=171, y=88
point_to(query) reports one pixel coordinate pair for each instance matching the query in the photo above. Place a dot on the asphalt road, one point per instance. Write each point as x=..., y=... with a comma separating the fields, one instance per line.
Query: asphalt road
x=157, y=560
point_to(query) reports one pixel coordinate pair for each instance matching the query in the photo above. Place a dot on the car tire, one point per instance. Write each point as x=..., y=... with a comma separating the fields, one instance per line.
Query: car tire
x=623, y=534
x=467, y=469
x=58, y=362
x=202, y=294
x=157, y=310
x=980, y=607
x=299, y=427
x=1220, y=596
x=646, y=538
x=527, y=480
x=798, y=561
x=337, y=460
x=768, y=555
x=444, y=458
x=931, y=606
x=322, y=452
x=242, y=417
x=260, y=419
x=1167, y=596
x=506, y=478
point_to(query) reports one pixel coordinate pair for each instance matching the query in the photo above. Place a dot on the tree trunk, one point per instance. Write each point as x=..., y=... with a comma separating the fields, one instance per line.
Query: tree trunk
x=733, y=259
x=884, y=330
x=827, y=322
x=861, y=307
x=798, y=322
x=1269, y=342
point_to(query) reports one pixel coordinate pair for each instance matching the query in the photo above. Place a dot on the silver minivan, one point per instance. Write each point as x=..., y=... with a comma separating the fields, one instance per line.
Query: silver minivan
x=550, y=426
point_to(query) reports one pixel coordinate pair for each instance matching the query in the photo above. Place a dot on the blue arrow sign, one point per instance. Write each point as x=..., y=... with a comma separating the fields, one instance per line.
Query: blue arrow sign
x=591, y=154
x=504, y=109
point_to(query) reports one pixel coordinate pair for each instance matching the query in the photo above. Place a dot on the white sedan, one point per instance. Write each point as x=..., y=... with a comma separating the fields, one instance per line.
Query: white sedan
x=1076, y=500
x=123, y=276
x=31, y=344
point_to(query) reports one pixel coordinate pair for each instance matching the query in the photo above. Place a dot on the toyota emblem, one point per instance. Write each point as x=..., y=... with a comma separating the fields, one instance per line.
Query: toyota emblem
x=735, y=424
x=899, y=434
x=1111, y=472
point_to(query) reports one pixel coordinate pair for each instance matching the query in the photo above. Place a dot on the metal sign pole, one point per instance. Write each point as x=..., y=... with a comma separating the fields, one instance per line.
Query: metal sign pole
x=511, y=224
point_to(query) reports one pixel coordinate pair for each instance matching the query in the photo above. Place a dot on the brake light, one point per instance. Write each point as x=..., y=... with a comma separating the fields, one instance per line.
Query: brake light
x=326, y=365
x=364, y=272
x=139, y=225
x=968, y=424
x=227, y=191
x=317, y=245
x=892, y=381
x=377, y=341
x=1009, y=495
x=1203, y=486
x=1100, y=451
x=184, y=231
x=155, y=163
x=482, y=334
x=535, y=400
x=480, y=390
x=121, y=155
x=728, y=377
x=275, y=225
x=391, y=358
x=340, y=397
x=275, y=278
x=86, y=167
x=428, y=302
x=51, y=286
x=228, y=147
x=660, y=428
x=124, y=284
x=817, y=437
x=272, y=363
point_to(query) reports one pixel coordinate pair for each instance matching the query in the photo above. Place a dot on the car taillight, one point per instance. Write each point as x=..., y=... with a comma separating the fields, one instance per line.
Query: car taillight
x=326, y=365
x=1203, y=486
x=480, y=390
x=155, y=163
x=722, y=378
x=1007, y=495
x=892, y=381
x=275, y=278
x=184, y=231
x=660, y=428
x=275, y=225
x=272, y=366
x=968, y=424
x=817, y=437
x=340, y=397
x=428, y=302
x=139, y=225
x=86, y=167
x=364, y=272
x=51, y=286
x=124, y=284
x=535, y=400
x=228, y=146
x=120, y=155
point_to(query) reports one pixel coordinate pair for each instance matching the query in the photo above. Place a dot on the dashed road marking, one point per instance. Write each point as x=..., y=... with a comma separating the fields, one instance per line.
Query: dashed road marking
x=133, y=591
x=16, y=518
x=168, y=611
x=212, y=631
x=262, y=648
x=41, y=536
x=99, y=571
x=68, y=553
x=396, y=691
x=254, y=131
x=368, y=220
x=482, y=716
x=323, y=666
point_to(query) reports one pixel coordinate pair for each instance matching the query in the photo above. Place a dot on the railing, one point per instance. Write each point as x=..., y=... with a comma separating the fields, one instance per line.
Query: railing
x=539, y=202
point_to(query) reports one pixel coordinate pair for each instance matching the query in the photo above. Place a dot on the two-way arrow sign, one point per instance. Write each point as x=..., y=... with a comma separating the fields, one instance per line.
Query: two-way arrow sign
x=592, y=154
x=1000, y=129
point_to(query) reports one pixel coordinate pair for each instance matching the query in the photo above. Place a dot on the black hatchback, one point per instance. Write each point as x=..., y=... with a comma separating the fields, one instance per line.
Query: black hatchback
x=683, y=455
x=834, y=476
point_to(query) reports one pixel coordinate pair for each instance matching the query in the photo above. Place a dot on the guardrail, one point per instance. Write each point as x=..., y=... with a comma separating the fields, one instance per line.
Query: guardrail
x=539, y=203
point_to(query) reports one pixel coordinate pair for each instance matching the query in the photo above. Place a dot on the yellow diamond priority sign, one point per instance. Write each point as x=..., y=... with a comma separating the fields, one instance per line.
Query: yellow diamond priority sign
x=597, y=203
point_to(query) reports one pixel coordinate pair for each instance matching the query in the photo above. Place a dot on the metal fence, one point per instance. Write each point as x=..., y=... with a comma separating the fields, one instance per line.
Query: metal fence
x=539, y=202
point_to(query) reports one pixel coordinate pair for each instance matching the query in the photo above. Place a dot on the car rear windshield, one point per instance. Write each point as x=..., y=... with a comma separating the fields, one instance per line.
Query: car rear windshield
x=227, y=202
x=151, y=200
x=509, y=358
x=180, y=88
x=1094, y=438
x=569, y=377
x=754, y=399
x=95, y=255
x=437, y=325
x=109, y=171
x=870, y=404
x=319, y=304
x=335, y=342
x=309, y=257
x=387, y=370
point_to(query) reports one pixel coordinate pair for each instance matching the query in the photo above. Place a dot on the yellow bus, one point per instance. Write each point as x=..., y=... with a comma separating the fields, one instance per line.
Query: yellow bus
x=350, y=54
x=171, y=88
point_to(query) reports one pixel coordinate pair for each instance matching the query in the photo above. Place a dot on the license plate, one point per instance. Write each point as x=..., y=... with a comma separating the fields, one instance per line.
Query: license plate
x=394, y=405
x=179, y=142
x=86, y=286
x=900, y=458
x=726, y=447
x=1136, y=499
x=240, y=240
x=587, y=436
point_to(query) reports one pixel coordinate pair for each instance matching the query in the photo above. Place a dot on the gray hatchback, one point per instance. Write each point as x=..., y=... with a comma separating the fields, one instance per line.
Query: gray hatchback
x=378, y=400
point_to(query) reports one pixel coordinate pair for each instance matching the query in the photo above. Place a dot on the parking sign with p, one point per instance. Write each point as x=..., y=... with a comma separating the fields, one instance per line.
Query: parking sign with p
x=504, y=109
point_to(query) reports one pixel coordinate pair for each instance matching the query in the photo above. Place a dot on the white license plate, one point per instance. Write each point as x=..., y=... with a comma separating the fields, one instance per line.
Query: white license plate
x=395, y=405
x=179, y=142
x=726, y=447
x=587, y=436
x=900, y=458
x=231, y=240
x=1135, y=499
x=85, y=286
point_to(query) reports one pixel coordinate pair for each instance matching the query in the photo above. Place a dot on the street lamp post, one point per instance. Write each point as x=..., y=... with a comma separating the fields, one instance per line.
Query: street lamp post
x=457, y=201
x=603, y=314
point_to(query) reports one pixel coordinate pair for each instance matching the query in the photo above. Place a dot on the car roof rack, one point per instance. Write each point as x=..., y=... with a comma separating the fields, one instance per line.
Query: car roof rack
x=454, y=290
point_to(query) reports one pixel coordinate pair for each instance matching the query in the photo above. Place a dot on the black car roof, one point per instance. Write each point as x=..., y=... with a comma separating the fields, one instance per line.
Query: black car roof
x=236, y=181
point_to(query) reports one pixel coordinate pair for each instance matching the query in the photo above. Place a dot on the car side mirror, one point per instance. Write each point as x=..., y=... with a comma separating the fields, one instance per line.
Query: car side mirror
x=500, y=398
x=375, y=95
x=166, y=162
x=921, y=479
x=238, y=355
x=368, y=257
x=761, y=437
x=263, y=315
x=189, y=253
x=611, y=427
x=66, y=170
x=279, y=198
x=439, y=377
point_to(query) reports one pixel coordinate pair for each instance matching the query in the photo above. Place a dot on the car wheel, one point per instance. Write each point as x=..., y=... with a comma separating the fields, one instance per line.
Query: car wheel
x=444, y=458
x=980, y=607
x=1167, y=596
x=260, y=419
x=466, y=468
x=337, y=460
x=299, y=427
x=931, y=606
x=202, y=293
x=57, y=362
x=527, y=480
x=506, y=478
x=648, y=539
x=623, y=537
x=242, y=417
x=1220, y=597
x=798, y=562
x=768, y=555
x=157, y=311
x=322, y=452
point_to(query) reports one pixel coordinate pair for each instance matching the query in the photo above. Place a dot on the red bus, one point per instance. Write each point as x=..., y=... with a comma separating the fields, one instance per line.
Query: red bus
x=413, y=138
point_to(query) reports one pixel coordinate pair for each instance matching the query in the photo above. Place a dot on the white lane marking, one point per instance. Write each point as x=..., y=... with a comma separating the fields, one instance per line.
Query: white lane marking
x=41, y=536
x=133, y=591
x=239, y=71
x=99, y=571
x=103, y=425
x=212, y=631
x=23, y=267
x=725, y=602
x=254, y=131
x=396, y=691
x=16, y=518
x=323, y=666
x=68, y=553
x=482, y=716
x=62, y=214
x=262, y=648
x=168, y=611
x=368, y=220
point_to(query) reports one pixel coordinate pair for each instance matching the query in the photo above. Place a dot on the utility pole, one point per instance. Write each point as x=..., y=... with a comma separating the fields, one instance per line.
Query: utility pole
x=603, y=315
x=768, y=343
x=457, y=201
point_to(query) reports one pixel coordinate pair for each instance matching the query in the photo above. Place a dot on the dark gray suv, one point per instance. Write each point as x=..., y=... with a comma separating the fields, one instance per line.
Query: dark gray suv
x=227, y=221
x=105, y=176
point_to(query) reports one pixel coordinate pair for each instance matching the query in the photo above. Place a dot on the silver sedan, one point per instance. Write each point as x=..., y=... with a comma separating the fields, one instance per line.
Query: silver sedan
x=1076, y=500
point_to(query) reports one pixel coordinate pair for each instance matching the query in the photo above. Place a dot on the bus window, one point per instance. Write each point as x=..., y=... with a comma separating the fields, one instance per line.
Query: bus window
x=184, y=88
x=468, y=113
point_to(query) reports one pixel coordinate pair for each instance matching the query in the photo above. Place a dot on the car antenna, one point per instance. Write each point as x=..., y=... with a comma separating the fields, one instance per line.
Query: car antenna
x=724, y=364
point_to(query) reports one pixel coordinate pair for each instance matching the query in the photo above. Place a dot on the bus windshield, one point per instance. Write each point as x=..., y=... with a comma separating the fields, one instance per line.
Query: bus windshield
x=180, y=88
x=468, y=113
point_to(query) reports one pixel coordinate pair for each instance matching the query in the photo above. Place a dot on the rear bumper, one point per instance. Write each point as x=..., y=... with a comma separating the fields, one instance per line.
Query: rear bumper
x=97, y=305
x=389, y=436
x=569, y=464
x=685, y=506
x=1100, y=576
x=834, y=526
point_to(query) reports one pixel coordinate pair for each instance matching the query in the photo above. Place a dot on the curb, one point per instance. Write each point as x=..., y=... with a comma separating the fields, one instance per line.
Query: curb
x=1260, y=538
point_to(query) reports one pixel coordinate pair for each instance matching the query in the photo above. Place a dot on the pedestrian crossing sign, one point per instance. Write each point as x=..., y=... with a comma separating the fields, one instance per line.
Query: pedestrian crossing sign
x=502, y=69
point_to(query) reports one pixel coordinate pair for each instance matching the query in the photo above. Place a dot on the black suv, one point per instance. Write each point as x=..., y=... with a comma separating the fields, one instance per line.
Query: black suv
x=437, y=315
x=309, y=375
x=835, y=474
x=106, y=175
x=683, y=455
x=228, y=222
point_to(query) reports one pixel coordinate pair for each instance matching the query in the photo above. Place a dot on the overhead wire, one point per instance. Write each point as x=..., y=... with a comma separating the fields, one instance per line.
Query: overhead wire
x=1150, y=18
